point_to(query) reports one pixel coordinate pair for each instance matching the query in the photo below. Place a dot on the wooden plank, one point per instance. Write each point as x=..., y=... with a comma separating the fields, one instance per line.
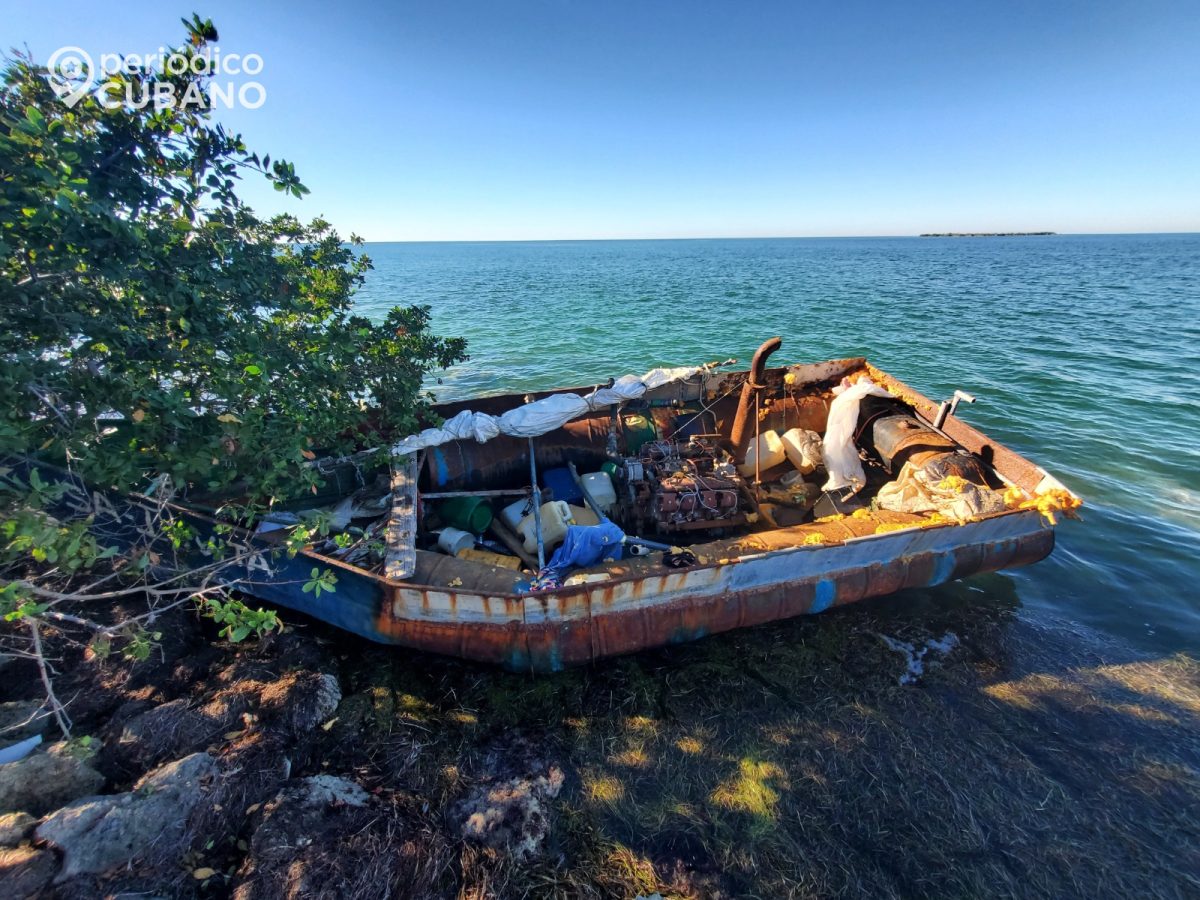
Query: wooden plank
x=400, y=558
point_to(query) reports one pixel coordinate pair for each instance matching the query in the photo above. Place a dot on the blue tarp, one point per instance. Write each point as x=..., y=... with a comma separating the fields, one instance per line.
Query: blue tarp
x=586, y=545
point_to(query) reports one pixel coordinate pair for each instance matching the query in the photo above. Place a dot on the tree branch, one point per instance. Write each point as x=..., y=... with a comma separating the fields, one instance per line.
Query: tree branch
x=60, y=712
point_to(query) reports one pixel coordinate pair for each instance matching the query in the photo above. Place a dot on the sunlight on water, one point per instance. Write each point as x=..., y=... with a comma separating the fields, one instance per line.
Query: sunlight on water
x=1084, y=352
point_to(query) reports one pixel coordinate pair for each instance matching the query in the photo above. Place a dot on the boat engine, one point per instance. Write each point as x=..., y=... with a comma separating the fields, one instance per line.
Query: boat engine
x=673, y=486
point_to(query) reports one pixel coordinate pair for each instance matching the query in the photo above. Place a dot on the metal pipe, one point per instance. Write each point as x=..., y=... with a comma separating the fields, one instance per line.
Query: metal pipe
x=950, y=407
x=587, y=496
x=653, y=545
x=757, y=444
x=740, y=431
x=537, y=508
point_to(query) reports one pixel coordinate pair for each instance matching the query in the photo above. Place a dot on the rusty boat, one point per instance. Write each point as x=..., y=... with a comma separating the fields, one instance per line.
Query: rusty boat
x=730, y=534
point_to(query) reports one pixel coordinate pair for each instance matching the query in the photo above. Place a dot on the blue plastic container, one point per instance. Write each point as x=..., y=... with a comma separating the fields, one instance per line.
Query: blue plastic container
x=563, y=484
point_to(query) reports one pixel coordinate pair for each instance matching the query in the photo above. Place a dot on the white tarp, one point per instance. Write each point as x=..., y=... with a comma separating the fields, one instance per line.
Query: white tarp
x=923, y=491
x=543, y=415
x=841, y=456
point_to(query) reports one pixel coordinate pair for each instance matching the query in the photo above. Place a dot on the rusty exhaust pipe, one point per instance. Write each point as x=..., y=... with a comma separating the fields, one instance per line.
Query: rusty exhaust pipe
x=740, y=434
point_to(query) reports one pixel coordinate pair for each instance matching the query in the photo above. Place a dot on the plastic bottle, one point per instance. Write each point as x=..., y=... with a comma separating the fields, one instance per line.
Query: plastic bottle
x=512, y=514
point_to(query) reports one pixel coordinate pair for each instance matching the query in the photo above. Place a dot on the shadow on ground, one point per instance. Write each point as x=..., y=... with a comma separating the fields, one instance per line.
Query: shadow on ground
x=1026, y=758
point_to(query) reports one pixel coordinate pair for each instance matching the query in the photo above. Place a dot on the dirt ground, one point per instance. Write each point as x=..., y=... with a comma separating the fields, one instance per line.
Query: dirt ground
x=1018, y=758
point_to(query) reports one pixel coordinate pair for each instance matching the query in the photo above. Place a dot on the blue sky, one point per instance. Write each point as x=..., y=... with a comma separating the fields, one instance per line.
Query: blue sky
x=563, y=119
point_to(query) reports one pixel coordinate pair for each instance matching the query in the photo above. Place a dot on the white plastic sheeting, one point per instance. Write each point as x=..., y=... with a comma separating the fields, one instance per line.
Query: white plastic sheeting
x=543, y=415
x=841, y=456
x=921, y=491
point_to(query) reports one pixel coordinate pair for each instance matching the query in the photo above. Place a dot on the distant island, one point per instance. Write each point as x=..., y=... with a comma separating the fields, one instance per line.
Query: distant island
x=988, y=234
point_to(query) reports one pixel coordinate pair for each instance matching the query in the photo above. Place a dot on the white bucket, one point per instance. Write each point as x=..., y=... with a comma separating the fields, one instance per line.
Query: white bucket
x=454, y=541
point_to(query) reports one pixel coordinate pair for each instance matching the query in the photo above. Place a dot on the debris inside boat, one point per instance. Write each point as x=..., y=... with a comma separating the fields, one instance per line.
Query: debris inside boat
x=547, y=530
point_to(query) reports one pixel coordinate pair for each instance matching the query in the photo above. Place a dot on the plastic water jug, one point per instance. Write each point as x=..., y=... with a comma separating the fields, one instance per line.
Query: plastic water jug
x=803, y=449
x=766, y=452
x=556, y=516
x=600, y=486
x=512, y=514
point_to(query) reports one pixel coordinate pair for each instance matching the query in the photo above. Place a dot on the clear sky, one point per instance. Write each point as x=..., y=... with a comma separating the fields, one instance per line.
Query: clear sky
x=528, y=119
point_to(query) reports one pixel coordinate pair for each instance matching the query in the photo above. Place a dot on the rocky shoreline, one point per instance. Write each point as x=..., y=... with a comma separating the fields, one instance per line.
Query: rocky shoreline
x=924, y=745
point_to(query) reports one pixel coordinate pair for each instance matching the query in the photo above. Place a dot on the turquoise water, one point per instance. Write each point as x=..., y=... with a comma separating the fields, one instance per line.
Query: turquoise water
x=1084, y=352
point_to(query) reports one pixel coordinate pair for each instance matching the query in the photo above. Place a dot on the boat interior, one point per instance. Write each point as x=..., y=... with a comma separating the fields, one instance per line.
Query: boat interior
x=695, y=472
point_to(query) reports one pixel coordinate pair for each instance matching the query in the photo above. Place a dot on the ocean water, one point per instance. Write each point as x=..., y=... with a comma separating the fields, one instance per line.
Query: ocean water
x=1083, y=351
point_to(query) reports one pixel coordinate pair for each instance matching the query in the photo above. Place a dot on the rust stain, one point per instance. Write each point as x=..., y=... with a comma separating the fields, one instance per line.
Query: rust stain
x=552, y=645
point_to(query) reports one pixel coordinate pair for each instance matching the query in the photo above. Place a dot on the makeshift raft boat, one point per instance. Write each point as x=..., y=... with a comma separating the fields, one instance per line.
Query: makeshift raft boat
x=777, y=492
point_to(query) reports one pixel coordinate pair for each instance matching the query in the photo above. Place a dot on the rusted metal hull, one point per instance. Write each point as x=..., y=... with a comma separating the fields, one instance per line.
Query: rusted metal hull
x=547, y=632
x=551, y=630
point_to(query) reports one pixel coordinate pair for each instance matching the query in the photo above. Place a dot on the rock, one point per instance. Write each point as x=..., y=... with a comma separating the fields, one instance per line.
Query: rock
x=326, y=700
x=511, y=814
x=22, y=719
x=302, y=700
x=98, y=833
x=172, y=730
x=327, y=790
x=298, y=831
x=25, y=872
x=46, y=779
x=15, y=827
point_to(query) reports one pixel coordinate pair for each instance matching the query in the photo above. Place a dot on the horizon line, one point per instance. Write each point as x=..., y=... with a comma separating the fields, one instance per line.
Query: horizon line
x=764, y=237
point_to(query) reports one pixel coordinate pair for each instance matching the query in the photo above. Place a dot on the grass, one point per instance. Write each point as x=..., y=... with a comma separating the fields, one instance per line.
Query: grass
x=789, y=761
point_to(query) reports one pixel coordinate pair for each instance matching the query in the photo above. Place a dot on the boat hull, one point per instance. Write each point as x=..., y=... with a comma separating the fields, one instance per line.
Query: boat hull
x=554, y=630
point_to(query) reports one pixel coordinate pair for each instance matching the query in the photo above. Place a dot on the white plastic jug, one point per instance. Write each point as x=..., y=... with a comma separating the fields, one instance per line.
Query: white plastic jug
x=767, y=450
x=556, y=516
x=512, y=514
x=600, y=486
x=803, y=449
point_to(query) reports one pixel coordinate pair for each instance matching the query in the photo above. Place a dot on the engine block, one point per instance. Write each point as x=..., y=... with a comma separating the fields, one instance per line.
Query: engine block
x=681, y=487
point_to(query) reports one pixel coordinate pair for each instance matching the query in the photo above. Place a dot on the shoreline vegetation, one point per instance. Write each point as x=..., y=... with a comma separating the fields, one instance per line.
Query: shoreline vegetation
x=972, y=234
